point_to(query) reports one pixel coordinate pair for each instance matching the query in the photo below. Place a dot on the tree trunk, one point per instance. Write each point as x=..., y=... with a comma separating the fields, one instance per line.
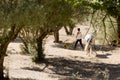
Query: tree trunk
x=56, y=36
x=5, y=40
x=40, y=56
x=66, y=30
x=3, y=49
x=118, y=24
x=71, y=30
x=1, y=67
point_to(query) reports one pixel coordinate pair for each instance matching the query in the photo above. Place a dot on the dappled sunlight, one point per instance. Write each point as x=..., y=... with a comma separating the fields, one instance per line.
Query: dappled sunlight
x=68, y=67
x=63, y=63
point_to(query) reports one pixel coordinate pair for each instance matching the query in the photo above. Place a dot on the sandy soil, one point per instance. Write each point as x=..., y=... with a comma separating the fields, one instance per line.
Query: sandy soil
x=63, y=64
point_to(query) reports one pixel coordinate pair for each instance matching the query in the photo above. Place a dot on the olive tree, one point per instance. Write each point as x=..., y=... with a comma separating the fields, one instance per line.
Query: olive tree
x=80, y=14
x=46, y=16
x=112, y=10
x=11, y=22
x=59, y=13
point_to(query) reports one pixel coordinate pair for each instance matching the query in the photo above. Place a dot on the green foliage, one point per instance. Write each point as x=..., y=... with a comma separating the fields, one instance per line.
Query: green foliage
x=112, y=7
x=81, y=10
x=25, y=14
x=43, y=17
x=105, y=25
x=58, y=12
x=106, y=18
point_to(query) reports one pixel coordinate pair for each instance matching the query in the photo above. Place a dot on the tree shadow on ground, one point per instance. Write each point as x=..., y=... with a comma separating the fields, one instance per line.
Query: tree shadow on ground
x=103, y=47
x=84, y=69
x=21, y=79
x=79, y=70
x=70, y=46
x=33, y=69
x=103, y=55
x=36, y=68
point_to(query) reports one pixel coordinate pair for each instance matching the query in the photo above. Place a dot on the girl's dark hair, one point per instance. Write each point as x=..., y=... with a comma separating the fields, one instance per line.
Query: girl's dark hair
x=78, y=29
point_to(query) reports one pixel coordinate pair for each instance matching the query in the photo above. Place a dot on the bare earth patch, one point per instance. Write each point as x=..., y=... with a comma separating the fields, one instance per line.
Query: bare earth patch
x=62, y=64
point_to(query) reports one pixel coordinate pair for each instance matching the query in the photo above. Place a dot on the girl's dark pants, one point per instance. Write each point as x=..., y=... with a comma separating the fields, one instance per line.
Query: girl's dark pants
x=80, y=41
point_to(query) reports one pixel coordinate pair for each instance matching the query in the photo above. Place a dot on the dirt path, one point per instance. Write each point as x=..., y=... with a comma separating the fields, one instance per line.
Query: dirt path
x=62, y=63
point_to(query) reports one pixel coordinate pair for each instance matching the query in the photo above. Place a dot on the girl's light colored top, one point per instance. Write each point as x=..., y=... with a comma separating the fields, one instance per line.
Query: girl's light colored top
x=79, y=35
